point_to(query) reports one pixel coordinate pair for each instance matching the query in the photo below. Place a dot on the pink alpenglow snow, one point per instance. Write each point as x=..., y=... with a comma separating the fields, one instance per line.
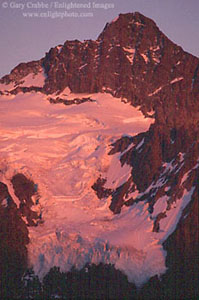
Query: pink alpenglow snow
x=65, y=149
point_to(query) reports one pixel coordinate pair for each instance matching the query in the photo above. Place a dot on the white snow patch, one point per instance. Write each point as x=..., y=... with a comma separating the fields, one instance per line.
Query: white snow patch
x=130, y=57
x=31, y=79
x=168, y=224
x=146, y=59
x=63, y=95
x=59, y=48
x=7, y=87
x=5, y=176
x=156, y=91
x=4, y=202
x=115, y=19
x=155, y=48
x=132, y=195
x=160, y=206
x=197, y=165
x=185, y=176
x=156, y=59
x=181, y=156
x=167, y=188
x=127, y=149
x=130, y=53
x=138, y=24
x=170, y=166
x=65, y=92
x=117, y=174
x=129, y=50
x=176, y=80
x=140, y=144
x=25, y=220
x=151, y=113
x=83, y=66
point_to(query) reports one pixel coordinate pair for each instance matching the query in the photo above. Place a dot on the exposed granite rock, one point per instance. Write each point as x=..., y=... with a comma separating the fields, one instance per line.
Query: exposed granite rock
x=24, y=189
x=13, y=241
x=118, y=196
x=22, y=70
x=121, y=145
x=182, y=254
x=160, y=216
x=72, y=101
x=99, y=188
x=26, y=90
x=14, y=233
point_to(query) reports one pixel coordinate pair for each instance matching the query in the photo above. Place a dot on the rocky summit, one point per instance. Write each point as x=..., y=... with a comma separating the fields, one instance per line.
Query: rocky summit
x=131, y=60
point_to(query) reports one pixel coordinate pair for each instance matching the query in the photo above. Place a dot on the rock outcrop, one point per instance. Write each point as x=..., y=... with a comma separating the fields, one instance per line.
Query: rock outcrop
x=13, y=242
x=14, y=223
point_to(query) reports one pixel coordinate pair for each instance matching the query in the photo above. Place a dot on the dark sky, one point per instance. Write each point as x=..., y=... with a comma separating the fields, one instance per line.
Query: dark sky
x=26, y=38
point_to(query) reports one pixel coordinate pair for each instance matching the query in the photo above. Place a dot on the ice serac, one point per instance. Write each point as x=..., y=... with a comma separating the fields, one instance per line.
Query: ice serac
x=147, y=178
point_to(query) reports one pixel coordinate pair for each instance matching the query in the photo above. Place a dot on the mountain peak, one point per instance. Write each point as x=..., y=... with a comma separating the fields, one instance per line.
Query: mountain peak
x=126, y=24
x=130, y=51
x=133, y=17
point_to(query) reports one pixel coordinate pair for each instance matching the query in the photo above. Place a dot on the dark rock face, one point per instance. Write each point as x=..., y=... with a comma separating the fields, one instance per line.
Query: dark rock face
x=24, y=189
x=119, y=195
x=182, y=248
x=159, y=164
x=13, y=241
x=70, y=102
x=181, y=279
x=22, y=70
x=14, y=233
x=121, y=145
x=19, y=89
x=99, y=188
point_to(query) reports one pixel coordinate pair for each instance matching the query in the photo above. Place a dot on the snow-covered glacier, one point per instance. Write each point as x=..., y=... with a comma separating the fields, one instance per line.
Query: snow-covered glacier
x=64, y=149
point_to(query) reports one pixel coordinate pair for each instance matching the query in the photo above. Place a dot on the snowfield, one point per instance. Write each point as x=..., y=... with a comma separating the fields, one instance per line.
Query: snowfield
x=64, y=149
x=31, y=79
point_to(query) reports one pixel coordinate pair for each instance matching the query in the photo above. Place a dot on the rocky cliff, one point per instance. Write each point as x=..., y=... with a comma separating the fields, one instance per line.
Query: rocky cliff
x=14, y=222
